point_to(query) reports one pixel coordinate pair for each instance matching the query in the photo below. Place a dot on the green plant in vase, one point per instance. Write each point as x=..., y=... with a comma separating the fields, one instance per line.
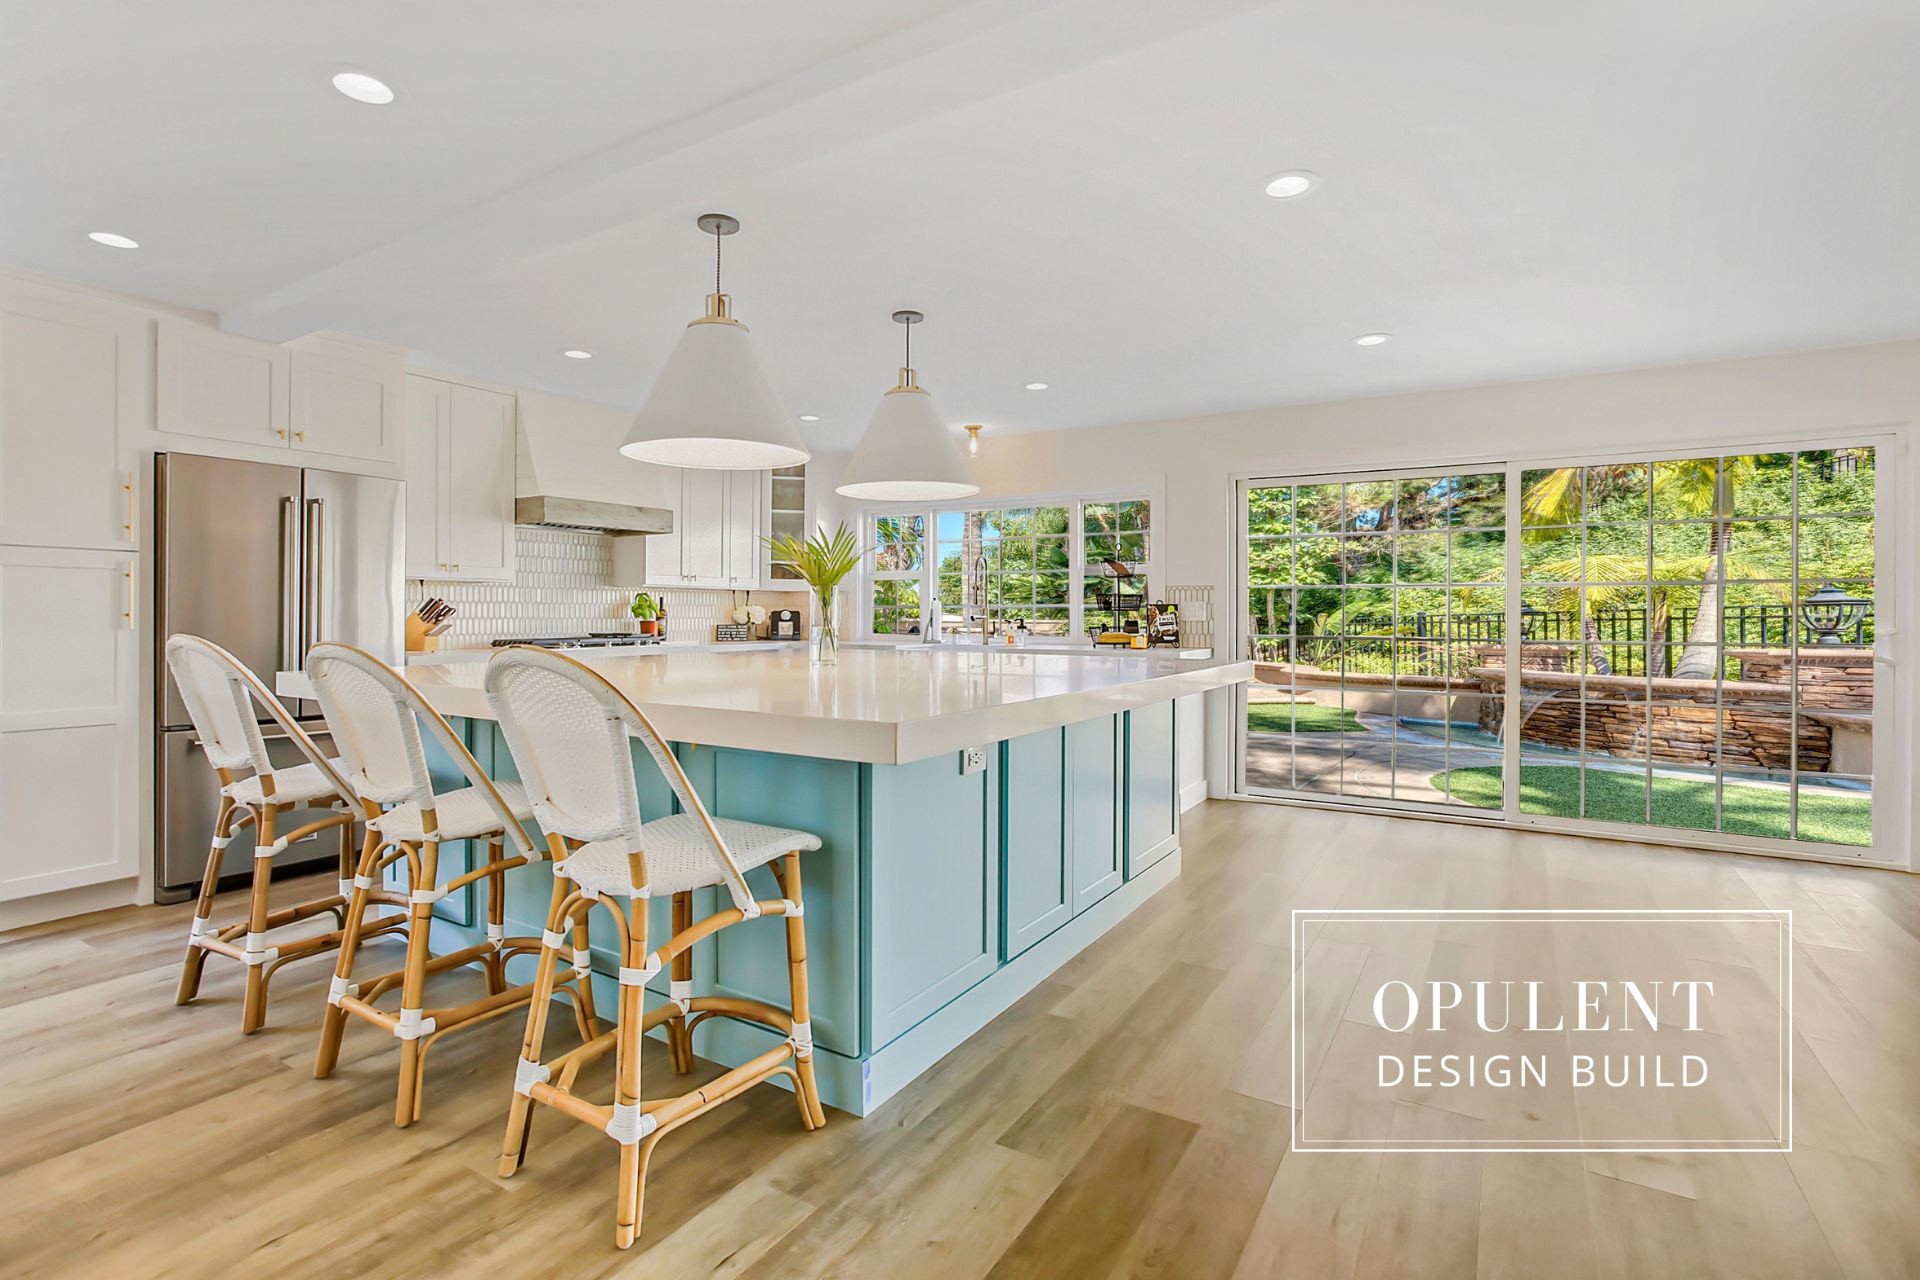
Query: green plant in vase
x=822, y=562
x=645, y=611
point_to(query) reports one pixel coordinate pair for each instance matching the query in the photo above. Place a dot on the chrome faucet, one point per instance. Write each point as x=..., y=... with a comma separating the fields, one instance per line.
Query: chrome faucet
x=977, y=590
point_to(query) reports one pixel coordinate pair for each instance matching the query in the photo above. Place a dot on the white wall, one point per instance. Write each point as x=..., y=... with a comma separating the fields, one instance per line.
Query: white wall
x=1730, y=404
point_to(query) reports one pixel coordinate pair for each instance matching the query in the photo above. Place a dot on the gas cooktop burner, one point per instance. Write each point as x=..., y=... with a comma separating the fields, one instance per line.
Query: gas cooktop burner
x=593, y=640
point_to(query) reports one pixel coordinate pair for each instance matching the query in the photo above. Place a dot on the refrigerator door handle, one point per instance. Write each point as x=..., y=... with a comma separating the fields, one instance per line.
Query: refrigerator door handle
x=289, y=590
x=316, y=573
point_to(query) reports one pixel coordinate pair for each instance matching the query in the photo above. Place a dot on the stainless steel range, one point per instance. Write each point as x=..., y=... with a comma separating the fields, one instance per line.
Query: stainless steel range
x=592, y=640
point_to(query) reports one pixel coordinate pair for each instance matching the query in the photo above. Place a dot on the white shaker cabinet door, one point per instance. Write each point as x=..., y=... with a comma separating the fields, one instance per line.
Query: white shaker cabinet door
x=65, y=388
x=220, y=387
x=429, y=403
x=69, y=722
x=746, y=505
x=479, y=496
x=348, y=408
x=702, y=521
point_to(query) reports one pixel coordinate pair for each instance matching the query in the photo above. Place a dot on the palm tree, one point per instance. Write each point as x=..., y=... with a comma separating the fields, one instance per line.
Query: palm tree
x=1611, y=582
x=1701, y=488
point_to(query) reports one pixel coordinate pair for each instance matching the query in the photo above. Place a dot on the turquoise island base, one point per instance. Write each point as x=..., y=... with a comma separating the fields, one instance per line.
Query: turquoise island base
x=941, y=895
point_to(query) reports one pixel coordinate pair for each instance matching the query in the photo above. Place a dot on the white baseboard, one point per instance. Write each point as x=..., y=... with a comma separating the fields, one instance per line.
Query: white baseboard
x=80, y=901
x=1192, y=794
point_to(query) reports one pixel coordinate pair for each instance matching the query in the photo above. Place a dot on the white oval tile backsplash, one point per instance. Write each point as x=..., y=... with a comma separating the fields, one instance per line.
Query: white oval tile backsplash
x=562, y=585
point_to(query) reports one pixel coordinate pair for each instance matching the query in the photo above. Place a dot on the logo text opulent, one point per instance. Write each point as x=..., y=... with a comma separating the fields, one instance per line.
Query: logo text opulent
x=1542, y=1030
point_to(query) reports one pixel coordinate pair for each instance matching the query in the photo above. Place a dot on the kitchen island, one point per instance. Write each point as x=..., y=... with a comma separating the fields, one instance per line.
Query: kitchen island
x=984, y=816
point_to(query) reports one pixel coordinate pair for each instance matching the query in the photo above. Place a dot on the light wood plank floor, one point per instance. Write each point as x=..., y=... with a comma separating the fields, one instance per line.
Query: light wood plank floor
x=1121, y=1120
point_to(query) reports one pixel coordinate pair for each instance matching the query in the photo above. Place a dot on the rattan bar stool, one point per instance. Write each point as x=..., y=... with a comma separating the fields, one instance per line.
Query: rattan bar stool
x=569, y=731
x=221, y=694
x=375, y=716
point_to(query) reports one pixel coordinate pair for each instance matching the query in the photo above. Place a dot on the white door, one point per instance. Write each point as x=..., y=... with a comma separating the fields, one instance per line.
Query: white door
x=424, y=460
x=746, y=500
x=220, y=387
x=479, y=496
x=64, y=375
x=702, y=520
x=344, y=407
x=69, y=724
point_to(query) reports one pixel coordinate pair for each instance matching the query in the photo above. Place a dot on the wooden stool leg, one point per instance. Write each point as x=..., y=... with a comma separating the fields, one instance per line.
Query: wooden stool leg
x=626, y=1084
x=255, y=1015
x=335, y=1024
x=583, y=976
x=797, y=978
x=679, y=1034
x=413, y=986
x=203, y=907
x=513, y=1149
x=631, y=1196
x=496, y=964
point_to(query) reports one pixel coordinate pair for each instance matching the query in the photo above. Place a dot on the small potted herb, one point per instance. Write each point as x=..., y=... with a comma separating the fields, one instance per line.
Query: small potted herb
x=646, y=612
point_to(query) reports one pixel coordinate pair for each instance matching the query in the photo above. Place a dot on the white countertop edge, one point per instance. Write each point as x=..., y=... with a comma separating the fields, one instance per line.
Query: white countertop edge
x=869, y=741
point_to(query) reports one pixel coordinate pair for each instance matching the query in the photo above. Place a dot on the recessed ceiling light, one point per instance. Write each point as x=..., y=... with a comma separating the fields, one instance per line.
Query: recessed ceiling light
x=1371, y=339
x=363, y=88
x=111, y=240
x=578, y=355
x=1294, y=182
x=1036, y=386
x=809, y=417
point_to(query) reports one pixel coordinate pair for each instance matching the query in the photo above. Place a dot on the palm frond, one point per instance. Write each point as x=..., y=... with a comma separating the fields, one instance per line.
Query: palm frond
x=823, y=560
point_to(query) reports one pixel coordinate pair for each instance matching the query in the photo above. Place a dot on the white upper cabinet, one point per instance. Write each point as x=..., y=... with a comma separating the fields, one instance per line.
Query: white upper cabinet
x=68, y=384
x=702, y=521
x=717, y=520
x=479, y=501
x=220, y=387
x=345, y=406
x=746, y=500
x=459, y=458
x=322, y=395
x=787, y=517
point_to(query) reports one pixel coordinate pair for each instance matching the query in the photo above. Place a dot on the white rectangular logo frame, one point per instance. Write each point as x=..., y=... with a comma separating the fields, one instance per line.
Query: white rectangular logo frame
x=1780, y=917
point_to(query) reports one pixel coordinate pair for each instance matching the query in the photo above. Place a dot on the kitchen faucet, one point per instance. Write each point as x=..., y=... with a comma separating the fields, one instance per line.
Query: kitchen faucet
x=977, y=592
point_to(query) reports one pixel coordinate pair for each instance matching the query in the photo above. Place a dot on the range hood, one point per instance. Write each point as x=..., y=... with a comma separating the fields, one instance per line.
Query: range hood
x=584, y=513
x=569, y=472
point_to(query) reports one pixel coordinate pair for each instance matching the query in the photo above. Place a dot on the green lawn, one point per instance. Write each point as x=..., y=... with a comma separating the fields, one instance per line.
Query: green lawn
x=1614, y=796
x=1308, y=717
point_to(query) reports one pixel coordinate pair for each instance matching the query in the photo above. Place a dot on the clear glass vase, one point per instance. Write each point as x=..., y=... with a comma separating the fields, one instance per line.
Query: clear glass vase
x=823, y=640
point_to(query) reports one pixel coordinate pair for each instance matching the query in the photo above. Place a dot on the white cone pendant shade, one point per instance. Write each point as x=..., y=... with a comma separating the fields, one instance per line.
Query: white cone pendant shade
x=713, y=405
x=907, y=455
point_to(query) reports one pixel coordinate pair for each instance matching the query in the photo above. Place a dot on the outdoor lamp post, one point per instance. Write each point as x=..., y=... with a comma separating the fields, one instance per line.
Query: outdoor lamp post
x=1830, y=611
x=1529, y=622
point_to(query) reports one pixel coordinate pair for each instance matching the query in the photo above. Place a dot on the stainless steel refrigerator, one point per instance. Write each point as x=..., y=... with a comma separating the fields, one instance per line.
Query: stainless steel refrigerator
x=264, y=561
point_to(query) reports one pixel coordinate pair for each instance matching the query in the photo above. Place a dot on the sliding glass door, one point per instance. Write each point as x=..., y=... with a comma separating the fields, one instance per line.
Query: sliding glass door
x=1694, y=639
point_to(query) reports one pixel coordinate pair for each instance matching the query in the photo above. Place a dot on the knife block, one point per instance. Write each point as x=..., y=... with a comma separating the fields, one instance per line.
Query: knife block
x=418, y=641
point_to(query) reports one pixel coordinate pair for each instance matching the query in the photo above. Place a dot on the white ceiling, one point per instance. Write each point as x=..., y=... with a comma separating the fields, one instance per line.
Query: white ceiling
x=1070, y=189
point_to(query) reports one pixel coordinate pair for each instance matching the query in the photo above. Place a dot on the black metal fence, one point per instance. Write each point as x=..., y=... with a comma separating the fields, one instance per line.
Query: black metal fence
x=1616, y=641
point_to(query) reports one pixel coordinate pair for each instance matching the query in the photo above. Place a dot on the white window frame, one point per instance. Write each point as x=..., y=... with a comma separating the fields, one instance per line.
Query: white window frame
x=927, y=576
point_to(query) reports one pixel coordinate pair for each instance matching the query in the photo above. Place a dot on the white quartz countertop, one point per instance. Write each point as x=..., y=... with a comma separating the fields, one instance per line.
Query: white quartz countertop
x=877, y=706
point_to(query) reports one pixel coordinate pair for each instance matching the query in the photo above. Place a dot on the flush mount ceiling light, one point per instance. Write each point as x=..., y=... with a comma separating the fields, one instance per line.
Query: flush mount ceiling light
x=973, y=439
x=1294, y=182
x=1372, y=339
x=363, y=88
x=713, y=406
x=907, y=454
x=809, y=417
x=578, y=355
x=112, y=241
x=1036, y=386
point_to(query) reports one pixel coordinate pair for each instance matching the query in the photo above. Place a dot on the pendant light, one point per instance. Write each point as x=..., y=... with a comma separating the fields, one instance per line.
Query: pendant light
x=713, y=405
x=907, y=455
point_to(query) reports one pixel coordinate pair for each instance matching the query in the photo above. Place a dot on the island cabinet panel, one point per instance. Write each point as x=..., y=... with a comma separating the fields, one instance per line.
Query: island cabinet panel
x=1152, y=807
x=1036, y=872
x=750, y=959
x=932, y=861
x=1093, y=809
